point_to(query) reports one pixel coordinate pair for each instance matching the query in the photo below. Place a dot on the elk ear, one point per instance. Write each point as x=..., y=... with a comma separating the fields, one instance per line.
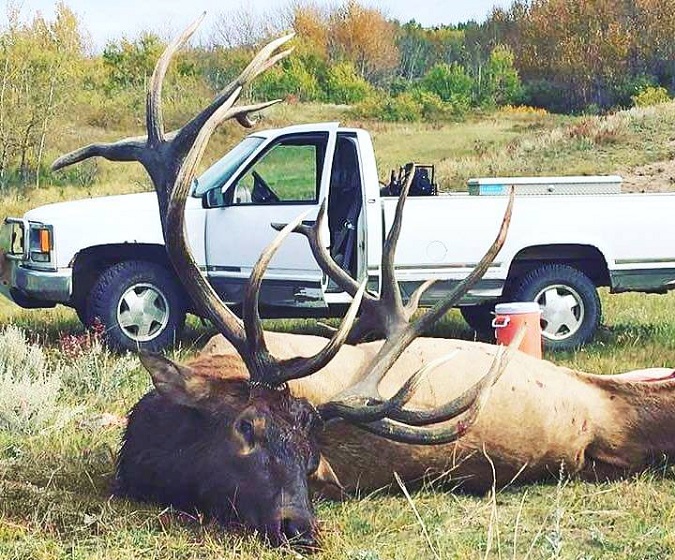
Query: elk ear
x=174, y=381
x=325, y=474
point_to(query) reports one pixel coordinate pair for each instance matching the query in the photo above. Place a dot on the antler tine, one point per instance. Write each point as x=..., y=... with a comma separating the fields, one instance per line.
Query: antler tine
x=443, y=306
x=464, y=401
x=153, y=105
x=369, y=411
x=252, y=322
x=263, y=60
x=322, y=255
x=395, y=345
x=177, y=247
x=390, y=293
x=419, y=432
x=264, y=367
x=128, y=149
x=414, y=301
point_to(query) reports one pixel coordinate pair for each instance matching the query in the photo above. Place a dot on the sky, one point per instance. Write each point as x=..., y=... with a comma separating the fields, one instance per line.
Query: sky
x=109, y=20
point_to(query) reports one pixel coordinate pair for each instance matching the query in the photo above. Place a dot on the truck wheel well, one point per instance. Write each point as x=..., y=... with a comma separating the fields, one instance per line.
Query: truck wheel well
x=585, y=258
x=92, y=261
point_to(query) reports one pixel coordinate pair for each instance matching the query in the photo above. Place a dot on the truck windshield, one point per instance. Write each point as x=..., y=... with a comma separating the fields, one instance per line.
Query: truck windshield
x=220, y=172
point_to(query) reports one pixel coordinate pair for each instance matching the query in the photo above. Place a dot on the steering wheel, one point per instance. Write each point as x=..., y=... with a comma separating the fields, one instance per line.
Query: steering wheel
x=262, y=193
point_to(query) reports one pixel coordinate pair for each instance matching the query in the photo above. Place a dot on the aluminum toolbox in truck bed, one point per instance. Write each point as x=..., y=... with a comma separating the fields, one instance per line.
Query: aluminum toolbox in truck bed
x=495, y=186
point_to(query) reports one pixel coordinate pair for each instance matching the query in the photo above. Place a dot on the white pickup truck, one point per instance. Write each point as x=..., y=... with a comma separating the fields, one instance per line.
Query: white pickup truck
x=105, y=256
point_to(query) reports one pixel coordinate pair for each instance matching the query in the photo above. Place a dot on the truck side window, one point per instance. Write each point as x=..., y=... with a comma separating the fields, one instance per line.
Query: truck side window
x=287, y=172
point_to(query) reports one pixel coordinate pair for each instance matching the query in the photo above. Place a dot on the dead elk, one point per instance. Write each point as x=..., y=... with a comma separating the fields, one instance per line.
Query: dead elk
x=238, y=432
x=238, y=444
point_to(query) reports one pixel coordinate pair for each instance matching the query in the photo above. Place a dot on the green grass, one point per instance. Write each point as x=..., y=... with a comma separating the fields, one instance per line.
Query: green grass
x=55, y=476
x=54, y=484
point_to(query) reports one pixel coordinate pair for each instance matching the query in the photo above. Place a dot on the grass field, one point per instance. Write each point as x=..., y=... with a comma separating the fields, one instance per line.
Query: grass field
x=62, y=394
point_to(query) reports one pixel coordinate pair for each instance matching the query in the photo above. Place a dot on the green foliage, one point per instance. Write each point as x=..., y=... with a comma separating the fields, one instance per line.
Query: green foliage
x=130, y=63
x=288, y=79
x=503, y=86
x=432, y=107
x=651, y=95
x=109, y=111
x=40, y=62
x=345, y=85
x=402, y=108
x=451, y=83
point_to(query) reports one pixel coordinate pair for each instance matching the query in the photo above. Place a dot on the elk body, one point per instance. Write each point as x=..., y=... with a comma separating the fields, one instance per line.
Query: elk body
x=538, y=416
x=239, y=432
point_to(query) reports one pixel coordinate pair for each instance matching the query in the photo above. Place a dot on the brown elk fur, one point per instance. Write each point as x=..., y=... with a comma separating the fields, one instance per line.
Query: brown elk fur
x=538, y=416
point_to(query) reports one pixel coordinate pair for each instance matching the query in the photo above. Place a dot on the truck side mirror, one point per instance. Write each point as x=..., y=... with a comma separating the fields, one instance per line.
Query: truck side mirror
x=216, y=198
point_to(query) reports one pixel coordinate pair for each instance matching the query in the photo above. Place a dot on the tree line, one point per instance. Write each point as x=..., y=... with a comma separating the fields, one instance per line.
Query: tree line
x=561, y=55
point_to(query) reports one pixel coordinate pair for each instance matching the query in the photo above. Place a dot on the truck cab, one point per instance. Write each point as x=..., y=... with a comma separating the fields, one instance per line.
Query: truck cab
x=274, y=177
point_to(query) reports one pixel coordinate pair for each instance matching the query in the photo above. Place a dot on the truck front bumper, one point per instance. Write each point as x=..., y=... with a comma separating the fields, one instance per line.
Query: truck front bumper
x=32, y=288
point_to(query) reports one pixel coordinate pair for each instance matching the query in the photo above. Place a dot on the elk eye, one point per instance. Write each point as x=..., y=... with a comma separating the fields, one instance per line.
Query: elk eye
x=245, y=428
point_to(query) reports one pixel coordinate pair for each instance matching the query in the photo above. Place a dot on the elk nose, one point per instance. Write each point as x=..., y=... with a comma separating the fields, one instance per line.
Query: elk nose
x=299, y=532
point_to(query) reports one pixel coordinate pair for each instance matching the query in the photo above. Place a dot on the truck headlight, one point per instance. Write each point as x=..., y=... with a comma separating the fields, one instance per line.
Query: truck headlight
x=41, y=243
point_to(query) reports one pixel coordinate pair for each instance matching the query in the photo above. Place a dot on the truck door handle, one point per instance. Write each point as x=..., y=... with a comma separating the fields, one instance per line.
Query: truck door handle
x=279, y=226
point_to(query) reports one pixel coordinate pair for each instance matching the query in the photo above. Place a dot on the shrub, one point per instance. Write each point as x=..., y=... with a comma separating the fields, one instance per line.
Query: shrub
x=390, y=109
x=650, y=95
x=345, y=86
x=432, y=106
x=28, y=391
x=89, y=368
x=451, y=83
x=289, y=79
x=503, y=82
x=121, y=110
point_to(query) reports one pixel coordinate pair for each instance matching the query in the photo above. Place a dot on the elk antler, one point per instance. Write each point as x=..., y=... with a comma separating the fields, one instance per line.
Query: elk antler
x=384, y=315
x=361, y=403
x=171, y=160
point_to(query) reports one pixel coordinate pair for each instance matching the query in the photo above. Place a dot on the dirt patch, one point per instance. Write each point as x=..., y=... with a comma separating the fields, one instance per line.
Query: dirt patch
x=654, y=177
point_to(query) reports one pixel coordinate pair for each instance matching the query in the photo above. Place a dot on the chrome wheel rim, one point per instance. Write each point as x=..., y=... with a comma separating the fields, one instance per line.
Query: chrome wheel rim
x=562, y=311
x=142, y=312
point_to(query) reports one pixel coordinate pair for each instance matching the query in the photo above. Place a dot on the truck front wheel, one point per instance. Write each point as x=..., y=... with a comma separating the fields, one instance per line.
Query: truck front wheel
x=139, y=304
x=570, y=305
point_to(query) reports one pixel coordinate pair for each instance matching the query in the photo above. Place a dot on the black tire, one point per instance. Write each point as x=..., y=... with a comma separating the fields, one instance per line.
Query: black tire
x=570, y=304
x=81, y=312
x=479, y=318
x=144, y=293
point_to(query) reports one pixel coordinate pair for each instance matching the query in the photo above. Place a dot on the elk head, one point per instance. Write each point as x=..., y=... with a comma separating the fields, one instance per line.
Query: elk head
x=235, y=443
x=233, y=450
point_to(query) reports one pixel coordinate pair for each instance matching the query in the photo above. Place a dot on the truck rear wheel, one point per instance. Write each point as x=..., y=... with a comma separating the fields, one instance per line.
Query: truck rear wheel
x=139, y=304
x=570, y=305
